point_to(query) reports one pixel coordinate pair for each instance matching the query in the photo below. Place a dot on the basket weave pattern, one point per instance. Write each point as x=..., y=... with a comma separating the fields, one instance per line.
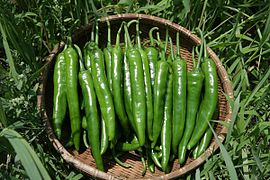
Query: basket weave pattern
x=83, y=160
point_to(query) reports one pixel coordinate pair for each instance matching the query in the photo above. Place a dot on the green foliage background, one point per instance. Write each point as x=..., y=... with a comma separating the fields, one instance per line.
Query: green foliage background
x=238, y=31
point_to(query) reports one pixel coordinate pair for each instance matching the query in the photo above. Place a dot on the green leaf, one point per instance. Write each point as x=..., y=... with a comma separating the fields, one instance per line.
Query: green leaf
x=28, y=157
x=235, y=107
x=125, y=2
x=186, y=4
x=3, y=118
x=198, y=174
x=226, y=156
x=266, y=31
x=258, y=86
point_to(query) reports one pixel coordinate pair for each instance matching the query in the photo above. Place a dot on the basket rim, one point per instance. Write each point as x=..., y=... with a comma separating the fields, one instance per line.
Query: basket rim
x=103, y=175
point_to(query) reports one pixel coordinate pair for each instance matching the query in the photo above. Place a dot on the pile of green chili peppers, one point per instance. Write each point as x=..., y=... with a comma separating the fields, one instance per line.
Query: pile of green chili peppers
x=134, y=97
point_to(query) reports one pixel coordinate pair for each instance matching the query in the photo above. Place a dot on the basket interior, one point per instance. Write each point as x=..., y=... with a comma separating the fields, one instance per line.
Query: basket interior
x=80, y=38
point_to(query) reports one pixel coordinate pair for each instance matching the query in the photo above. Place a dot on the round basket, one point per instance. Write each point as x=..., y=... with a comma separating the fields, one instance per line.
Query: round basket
x=83, y=160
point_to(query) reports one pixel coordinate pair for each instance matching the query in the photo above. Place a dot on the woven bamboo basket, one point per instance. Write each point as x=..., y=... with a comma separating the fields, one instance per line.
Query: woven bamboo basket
x=83, y=160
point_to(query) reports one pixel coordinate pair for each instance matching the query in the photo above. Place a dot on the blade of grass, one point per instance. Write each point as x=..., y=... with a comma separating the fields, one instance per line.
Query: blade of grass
x=29, y=159
x=13, y=71
x=226, y=156
x=266, y=32
x=3, y=118
x=245, y=164
x=258, y=86
x=198, y=174
x=236, y=107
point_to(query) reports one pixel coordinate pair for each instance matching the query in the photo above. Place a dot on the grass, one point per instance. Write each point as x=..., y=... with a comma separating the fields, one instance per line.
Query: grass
x=238, y=31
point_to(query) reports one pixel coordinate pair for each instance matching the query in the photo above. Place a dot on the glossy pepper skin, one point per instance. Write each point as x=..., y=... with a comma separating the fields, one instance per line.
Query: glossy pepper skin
x=127, y=88
x=59, y=97
x=179, y=69
x=160, y=86
x=166, y=134
x=147, y=84
x=125, y=146
x=108, y=57
x=92, y=117
x=205, y=141
x=137, y=89
x=104, y=144
x=117, y=78
x=152, y=55
x=209, y=102
x=102, y=89
x=194, y=86
x=207, y=137
x=72, y=65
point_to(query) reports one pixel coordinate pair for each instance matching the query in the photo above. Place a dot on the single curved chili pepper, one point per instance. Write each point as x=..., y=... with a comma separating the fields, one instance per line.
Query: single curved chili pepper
x=102, y=89
x=108, y=57
x=72, y=94
x=117, y=77
x=104, y=144
x=91, y=114
x=144, y=166
x=179, y=69
x=152, y=55
x=166, y=134
x=147, y=84
x=155, y=157
x=115, y=157
x=194, y=87
x=210, y=99
x=150, y=162
x=127, y=88
x=137, y=89
x=85, y=139
x=124, y=146
x=161, y=78
x=59, y=95
x=206, y=139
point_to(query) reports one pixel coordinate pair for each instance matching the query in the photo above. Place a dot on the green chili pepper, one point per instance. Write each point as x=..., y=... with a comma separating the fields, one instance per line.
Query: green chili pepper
x=117, y=90
x=179, y=69
x=155, y=158
x=104, y=144
x=72, y=94
x=166, y=134
x=144, y=165
x=108, y=57
x=150, y=162
x=102, y=89
x=137, y=89
x=210, y=99
x=124, y=146
x=127, y=88
x=115, y=157
x=206, y=139
x=161, y=78
x=91, y=114
x=59, y=97
x=194, y=87
x=147, y=84
x=152, y=55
